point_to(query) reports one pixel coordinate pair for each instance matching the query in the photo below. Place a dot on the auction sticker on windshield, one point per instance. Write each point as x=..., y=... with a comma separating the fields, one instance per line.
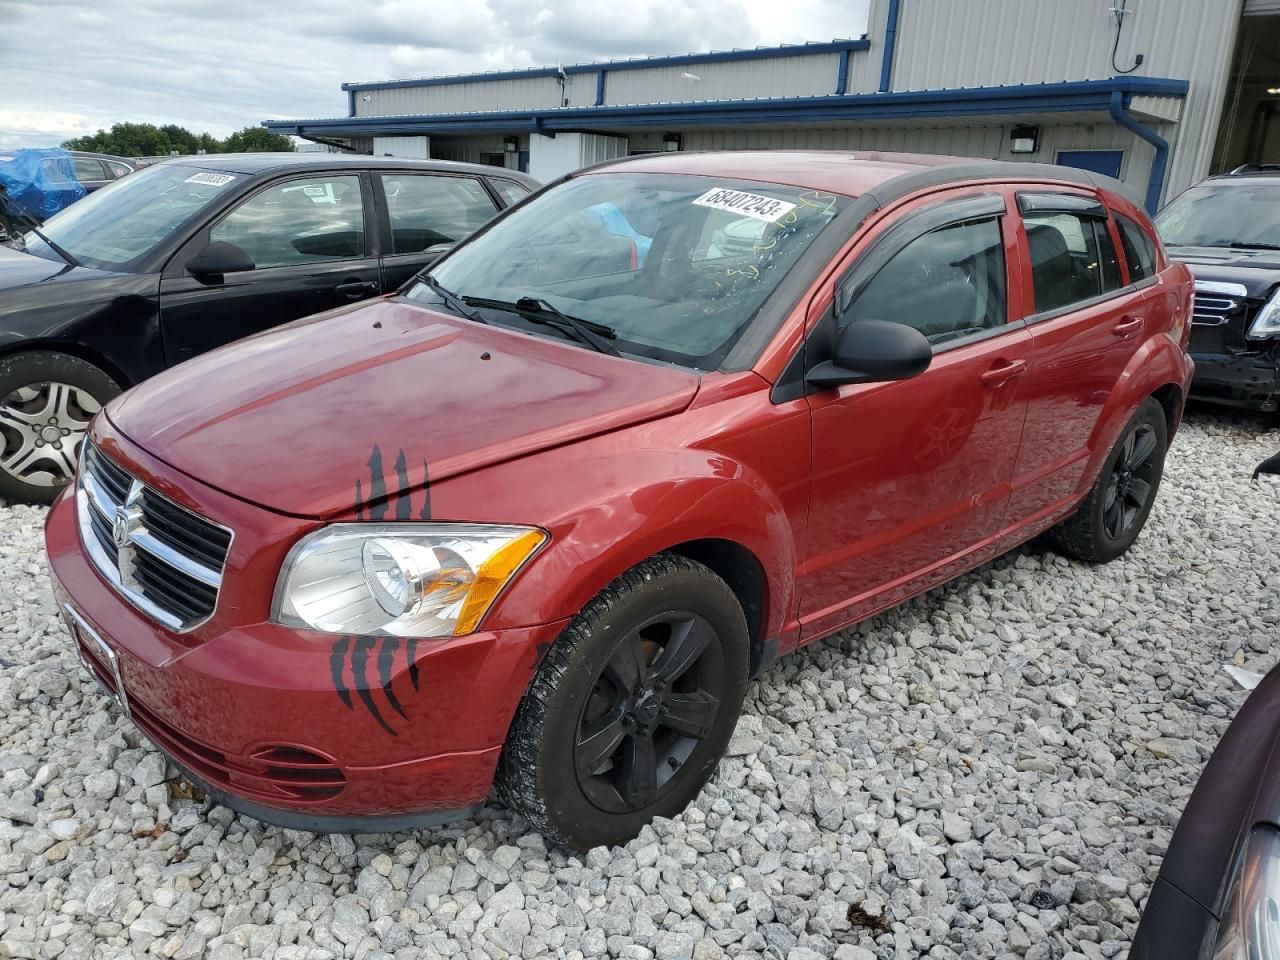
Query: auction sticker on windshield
x=211, y=179
x=746, y=204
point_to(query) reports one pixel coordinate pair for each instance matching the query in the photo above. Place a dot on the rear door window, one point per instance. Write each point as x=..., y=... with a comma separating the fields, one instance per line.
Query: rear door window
x=88, y=169
x=1139, y=251
x=427, y=210
x=1073, y=258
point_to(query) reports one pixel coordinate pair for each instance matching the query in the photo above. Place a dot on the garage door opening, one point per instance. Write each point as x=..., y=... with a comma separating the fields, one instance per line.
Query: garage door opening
x=1250, y=129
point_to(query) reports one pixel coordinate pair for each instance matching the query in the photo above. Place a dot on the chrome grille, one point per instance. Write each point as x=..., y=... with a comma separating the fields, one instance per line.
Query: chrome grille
x=1215, y=302
x=165, y=559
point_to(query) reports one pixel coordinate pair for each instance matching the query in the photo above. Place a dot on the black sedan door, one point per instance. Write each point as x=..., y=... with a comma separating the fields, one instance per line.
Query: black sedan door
x=425, y=214
x=313, y=249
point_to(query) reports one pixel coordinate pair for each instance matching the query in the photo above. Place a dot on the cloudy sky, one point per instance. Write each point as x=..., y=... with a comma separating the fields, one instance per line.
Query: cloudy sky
x=73, y=66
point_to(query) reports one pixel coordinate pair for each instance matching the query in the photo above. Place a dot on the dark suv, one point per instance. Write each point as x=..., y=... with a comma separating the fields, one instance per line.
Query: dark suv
x=1227, y=230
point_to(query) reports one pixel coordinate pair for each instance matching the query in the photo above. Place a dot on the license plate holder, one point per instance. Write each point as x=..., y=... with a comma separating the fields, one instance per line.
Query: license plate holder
x=82, y=633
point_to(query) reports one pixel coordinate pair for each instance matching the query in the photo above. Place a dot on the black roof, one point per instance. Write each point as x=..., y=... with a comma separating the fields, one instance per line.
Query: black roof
x=251, y=163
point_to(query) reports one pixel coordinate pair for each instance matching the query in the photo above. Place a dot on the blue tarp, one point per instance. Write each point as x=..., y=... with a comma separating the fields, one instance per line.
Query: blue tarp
x=38, y=183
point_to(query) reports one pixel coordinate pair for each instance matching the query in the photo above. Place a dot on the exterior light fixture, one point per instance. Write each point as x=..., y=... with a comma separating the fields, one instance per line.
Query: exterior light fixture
x=1024, y=139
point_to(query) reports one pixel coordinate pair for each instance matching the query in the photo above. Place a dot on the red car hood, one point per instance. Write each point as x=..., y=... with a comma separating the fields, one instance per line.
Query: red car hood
x=290, y=419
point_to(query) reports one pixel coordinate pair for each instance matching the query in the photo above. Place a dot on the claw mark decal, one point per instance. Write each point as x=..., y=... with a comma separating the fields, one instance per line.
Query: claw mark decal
x=336, y=661
x=351, y=655
x=411, y=654
x=402, y=496
x=386, y=655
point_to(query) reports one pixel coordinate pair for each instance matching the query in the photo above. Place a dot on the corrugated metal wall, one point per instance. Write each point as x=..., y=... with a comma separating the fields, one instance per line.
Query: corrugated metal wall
x=744, y=80
x=988, y=142
x=1255, y=7
x=474, y=96
x=969, y=43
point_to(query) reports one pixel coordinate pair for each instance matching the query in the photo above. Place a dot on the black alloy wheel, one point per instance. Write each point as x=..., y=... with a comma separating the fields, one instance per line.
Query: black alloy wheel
x=1116, y=508
x=632, y=707
x=1131, y=483
x=655, y=700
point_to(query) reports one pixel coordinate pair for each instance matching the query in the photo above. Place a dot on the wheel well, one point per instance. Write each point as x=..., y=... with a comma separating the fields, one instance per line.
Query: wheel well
x=79, y=351
x=1170, y=399
x=738, y=567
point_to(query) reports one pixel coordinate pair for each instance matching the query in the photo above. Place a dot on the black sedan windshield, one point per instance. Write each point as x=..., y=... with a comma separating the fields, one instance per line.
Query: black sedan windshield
x=673, y=267
x=120, y=224
x=1222, y=214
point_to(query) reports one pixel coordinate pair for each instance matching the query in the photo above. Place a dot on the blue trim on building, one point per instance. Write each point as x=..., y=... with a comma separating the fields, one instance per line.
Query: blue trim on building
x=1076, y=95
x=842, y=74
x=890, y=41
x=600, y=88
x=1118, y=108
x=684, y=59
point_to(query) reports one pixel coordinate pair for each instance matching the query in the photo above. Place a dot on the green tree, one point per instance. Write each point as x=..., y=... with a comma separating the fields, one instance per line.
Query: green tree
x=148, y=140
x=257, y=140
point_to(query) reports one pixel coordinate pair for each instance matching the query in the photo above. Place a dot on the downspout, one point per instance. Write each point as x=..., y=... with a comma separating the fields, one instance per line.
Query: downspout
x=890, y=37
x=1155, y=182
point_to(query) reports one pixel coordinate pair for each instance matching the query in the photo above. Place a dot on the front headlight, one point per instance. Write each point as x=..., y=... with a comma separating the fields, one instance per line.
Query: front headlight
x=1267, y=322
x=1250, y=929
x=400, y=579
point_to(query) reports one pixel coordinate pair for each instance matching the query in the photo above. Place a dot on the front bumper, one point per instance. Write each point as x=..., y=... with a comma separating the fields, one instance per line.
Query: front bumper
x=1250, y=380
x=300, y=728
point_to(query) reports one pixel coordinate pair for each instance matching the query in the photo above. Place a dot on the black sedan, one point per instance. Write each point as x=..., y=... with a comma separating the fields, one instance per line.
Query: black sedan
x=193, y=253
x=1218, y=893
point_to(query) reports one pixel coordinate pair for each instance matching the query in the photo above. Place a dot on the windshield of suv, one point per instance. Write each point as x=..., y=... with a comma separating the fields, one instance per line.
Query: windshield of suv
x=670, y=267
x=114, y=227
x=1222, y=214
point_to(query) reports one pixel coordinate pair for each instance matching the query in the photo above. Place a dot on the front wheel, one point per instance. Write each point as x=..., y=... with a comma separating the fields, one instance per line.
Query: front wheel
x=631, y=708
x=1116, y=509
x=46, y=402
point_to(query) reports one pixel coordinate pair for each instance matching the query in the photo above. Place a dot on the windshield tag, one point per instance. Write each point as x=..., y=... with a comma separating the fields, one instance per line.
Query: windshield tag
x=747, y=204
x=211, y=179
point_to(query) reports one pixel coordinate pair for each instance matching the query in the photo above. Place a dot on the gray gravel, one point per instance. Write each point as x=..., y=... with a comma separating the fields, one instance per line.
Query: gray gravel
x=992, y=771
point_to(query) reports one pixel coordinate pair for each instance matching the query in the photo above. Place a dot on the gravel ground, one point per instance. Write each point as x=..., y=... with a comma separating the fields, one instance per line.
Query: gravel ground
x=992, y=771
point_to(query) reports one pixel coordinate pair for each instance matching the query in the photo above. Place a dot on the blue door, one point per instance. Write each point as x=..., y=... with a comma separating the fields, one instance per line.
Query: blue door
x=1099, y=161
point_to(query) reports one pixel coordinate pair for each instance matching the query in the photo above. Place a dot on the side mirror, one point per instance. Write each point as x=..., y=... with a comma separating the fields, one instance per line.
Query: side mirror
x=873, y=351
x=218, y=258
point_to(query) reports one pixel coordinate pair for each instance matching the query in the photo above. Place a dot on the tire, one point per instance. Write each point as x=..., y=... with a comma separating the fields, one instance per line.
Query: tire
x=1092, y=533
x=645, y=623
x=43, y=396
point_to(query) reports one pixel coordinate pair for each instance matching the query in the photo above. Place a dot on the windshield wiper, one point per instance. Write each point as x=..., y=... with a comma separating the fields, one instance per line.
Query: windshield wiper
x=451, y=299
x=538, y=310
x=1244, y=245
x=35, y=228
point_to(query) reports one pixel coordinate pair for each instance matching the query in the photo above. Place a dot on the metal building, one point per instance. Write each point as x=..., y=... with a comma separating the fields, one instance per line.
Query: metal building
x=1156, y=92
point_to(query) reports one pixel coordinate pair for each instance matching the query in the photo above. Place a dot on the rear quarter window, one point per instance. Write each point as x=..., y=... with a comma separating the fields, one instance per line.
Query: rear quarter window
x=1139, y=250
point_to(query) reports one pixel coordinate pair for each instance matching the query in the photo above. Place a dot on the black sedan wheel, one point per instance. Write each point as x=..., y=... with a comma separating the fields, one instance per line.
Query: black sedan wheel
x=1116, y=509
x=46, y=403
x=632, y=708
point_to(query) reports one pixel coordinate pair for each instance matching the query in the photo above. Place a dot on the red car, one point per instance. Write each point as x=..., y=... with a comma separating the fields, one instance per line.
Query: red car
x=539, y=517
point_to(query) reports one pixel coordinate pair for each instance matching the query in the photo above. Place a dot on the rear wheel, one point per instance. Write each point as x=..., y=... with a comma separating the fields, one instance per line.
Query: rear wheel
x=1116, y=509
x=46, y=402
x=632, y=708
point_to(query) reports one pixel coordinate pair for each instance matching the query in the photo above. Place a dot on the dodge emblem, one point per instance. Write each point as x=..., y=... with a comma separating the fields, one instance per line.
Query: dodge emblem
x=120, y=528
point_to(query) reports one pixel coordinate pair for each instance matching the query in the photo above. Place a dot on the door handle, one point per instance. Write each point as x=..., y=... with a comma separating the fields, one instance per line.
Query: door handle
x=1000, y=375
x=1127, y=326
x=355, y=288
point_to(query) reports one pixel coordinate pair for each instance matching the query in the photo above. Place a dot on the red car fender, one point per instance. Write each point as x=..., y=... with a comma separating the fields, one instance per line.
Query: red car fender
x=663, y=499
x=1159, y=362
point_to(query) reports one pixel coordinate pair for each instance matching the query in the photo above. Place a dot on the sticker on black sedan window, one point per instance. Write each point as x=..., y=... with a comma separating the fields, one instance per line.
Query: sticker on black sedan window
x=746, y=204
x=211, y=179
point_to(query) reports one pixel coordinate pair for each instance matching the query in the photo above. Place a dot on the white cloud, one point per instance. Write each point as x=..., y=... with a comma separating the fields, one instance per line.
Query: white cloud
x=220, y=65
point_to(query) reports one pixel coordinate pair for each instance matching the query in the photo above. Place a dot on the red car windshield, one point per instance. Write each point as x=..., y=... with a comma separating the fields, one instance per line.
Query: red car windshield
x=675, y=266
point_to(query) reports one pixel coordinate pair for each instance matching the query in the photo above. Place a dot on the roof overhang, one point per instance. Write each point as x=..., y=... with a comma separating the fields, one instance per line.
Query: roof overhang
x=1153, y=98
